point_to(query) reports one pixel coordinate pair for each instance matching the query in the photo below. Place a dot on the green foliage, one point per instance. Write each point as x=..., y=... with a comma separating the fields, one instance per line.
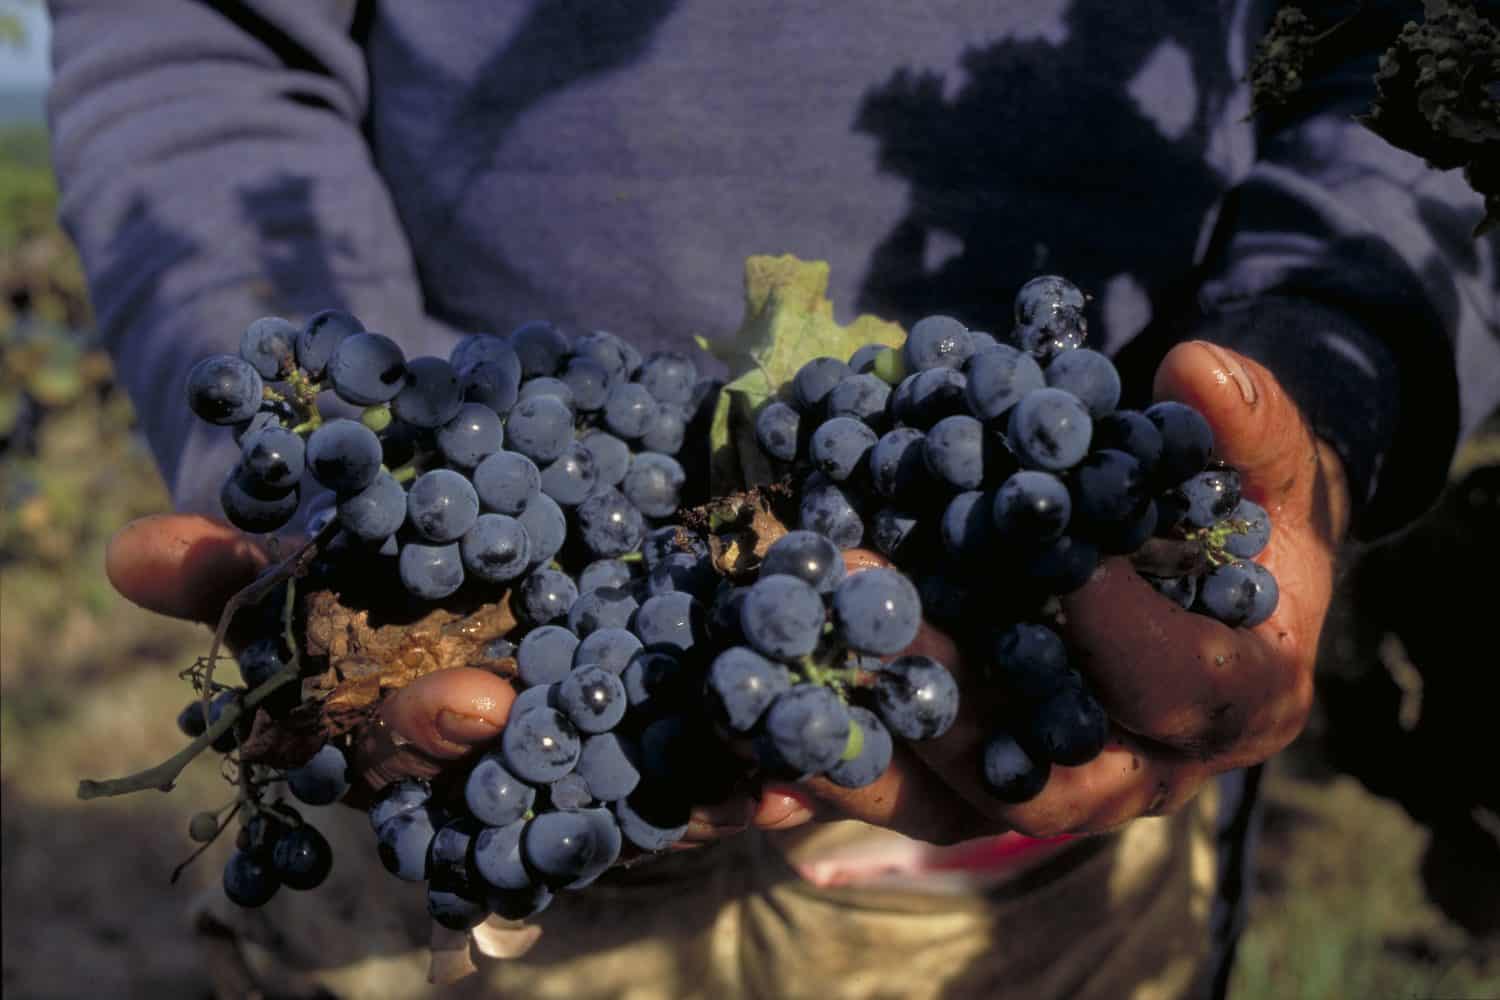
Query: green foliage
x=69, y=450
x=1282, y=58
x=24, y=147
x=788, y=322
x=71, y=467
x=40, y=275
x=1439, y=96
x=1438, y=87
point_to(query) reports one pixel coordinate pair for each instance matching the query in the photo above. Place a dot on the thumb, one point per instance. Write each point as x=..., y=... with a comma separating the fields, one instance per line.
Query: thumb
x=450, y=712
x=437, y=718
x=1257, y=427
x=182, y=565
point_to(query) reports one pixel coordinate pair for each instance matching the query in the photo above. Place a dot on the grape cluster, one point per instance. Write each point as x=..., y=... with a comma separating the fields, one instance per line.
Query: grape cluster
x=476, y=467
x=629, y=679
x=276, y=847
x=997, y=473
x=806, y=643
x=488, y=468
x=551, y=470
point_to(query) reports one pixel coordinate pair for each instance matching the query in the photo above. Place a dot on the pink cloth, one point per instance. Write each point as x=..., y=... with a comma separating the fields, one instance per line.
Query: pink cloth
x=897, y=862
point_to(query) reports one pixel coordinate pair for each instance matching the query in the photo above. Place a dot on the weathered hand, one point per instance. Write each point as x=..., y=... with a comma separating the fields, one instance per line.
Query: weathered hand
x=188, y=566
x=1188, y=696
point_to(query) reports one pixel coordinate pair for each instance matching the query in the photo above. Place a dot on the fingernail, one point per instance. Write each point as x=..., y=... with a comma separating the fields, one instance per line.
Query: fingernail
x=780, y=810
x=465, y=728
x=799, y=816
x=1229, y=368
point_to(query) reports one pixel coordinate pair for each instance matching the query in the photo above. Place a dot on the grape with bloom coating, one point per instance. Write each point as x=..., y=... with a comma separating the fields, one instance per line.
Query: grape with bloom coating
x=224, y=389
x=320, y=335
x=937, y=342
x=1049, y=429
x=269, y=344
x=441, y=505
x=539, y=746
x=506, y=482
x=654, y=484
x=874, y=756
x=495, y=796
x=917, y=697
x=808, y=727
x=742, y=684
x=808, y=556
x=302, y=858
x=876, y=611
x=782, y=617
x=344, y=456
x=431, y=572
x=249, y=880
x=496, y=548
x=322, y=780
x=431, y=396
x=367, y=369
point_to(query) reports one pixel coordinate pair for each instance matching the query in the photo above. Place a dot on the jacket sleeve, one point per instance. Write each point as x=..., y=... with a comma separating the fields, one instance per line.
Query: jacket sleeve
x=213, y=170
x=1349, y=268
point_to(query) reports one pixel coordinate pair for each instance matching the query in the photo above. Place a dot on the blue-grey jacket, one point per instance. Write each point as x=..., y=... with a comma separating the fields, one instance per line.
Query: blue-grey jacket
x=456, y=165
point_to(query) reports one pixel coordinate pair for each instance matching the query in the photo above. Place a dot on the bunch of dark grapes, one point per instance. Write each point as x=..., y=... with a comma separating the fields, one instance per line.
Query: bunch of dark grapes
x=993, y=475
x=609, y=742
x=478, y=466
x=486, y=468
x=997, y=474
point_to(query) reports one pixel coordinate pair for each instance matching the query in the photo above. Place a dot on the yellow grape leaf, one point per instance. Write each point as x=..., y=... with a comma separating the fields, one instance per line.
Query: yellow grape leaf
x=788, y=322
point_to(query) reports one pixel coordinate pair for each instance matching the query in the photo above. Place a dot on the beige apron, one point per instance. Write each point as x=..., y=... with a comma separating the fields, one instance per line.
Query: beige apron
x=1117, y=916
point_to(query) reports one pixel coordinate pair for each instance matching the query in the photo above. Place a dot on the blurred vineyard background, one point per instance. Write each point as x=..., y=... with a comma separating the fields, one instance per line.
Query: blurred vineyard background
x=1379, y=866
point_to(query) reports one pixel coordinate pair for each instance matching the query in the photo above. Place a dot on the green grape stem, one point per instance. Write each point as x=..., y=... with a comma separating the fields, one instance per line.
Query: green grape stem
x=827, y=674
x=164, y=775
x=304, y=390
x=1215, y=537
x=302, y=397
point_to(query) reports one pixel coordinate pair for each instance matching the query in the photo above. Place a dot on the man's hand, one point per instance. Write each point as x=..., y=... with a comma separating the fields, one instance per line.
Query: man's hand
x=188, y=566
x=1189, y=697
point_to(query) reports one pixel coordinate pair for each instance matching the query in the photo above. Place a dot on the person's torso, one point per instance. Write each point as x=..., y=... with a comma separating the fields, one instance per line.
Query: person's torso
x=610, y=164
